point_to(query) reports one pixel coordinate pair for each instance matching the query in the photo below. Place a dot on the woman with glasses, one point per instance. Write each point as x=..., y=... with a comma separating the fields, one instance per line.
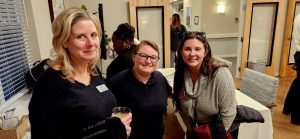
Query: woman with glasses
x=144, y=91
x=202, y=87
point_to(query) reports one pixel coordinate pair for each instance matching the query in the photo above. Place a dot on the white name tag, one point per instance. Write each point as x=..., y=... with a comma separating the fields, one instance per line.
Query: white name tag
x=102, y=88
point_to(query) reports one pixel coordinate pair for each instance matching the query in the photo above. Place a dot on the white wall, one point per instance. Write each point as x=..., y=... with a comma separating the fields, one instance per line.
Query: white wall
x=223, y=47
x=196, y=11
x=39, y=25
x=214, y=23
x=221, y=30
x=115, y=12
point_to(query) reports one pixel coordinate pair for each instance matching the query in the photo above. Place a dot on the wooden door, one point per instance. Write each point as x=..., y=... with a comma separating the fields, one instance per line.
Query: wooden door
x=288, y=50
x=263, y=22
x=135, y=5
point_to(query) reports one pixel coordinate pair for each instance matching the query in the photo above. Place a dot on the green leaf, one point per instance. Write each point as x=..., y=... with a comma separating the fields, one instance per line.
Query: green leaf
x=83, y=7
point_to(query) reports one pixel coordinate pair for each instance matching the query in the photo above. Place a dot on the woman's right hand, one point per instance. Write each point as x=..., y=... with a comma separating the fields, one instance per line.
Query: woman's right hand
x=126, y=120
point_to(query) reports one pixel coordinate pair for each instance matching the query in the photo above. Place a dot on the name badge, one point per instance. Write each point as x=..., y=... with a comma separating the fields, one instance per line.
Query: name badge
x=102, y=88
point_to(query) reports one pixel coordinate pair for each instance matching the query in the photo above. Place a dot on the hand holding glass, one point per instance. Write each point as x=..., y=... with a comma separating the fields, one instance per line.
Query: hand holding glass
x=121, y=112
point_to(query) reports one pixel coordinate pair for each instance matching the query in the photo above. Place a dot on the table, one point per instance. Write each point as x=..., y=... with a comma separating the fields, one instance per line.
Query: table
x=246, y=130
x=255, y=130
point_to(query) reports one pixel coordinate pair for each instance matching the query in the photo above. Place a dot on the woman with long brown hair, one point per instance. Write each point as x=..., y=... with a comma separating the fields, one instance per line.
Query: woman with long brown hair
x=203, y=87
x=177, y=31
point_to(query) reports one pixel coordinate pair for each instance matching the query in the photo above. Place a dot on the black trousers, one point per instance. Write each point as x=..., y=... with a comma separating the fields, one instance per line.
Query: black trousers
x=292, y=99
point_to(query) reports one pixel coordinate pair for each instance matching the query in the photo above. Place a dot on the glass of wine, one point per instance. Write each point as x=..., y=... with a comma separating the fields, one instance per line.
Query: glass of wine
x=121, y=111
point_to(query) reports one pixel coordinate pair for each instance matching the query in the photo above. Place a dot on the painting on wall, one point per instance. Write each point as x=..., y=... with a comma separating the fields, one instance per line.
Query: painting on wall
x=55, y=7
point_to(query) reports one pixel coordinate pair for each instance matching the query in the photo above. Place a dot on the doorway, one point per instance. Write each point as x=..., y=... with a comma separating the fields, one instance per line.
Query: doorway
x=158, y=30
x=263, y=22
x=289, y=49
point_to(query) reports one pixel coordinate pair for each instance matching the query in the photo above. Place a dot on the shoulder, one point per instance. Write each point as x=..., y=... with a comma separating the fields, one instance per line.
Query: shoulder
x=52, y=80
x=160, y=77
x=183, y=27
x=222, y=72
x=158, y=74
x=49, y=75
x=119, y=76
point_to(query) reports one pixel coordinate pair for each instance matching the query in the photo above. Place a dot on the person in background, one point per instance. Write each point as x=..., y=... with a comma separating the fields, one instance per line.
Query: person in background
x=70, y=99
x=144, y=91
x=123, y=45
x=292, y=99
x=202, y=87
x=177, y=32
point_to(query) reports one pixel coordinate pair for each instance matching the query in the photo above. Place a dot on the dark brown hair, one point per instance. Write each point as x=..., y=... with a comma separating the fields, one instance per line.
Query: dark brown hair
x=208, y=66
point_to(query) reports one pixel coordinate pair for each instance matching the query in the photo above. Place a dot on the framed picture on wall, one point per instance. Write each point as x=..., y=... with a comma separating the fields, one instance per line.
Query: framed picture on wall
x=55, y=7
x=196, y=20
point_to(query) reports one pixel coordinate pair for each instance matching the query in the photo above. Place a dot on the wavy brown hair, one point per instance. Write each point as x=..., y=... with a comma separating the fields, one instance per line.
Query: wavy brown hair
x=61, y=29
x=208, y=66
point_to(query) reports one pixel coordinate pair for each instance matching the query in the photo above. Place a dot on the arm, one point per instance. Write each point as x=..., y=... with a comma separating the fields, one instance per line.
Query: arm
x=297, y=32
x=182, y=31
x=111, y=127
x=226, y=96
x=46, y=111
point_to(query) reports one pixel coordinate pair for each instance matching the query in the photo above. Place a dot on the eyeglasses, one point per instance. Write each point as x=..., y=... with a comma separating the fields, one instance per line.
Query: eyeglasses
x=195, y=33
x=145, y=57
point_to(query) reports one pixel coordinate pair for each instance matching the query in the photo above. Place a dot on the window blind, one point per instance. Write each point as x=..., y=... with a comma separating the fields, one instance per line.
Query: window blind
x=14, y=50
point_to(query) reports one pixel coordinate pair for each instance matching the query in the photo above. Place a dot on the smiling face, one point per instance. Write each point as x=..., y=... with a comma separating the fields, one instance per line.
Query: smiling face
x=193, y=52
x=83, y=43
x=145, y=60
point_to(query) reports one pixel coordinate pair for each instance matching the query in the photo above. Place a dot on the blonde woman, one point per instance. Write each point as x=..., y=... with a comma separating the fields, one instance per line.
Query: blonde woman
x=70, y=100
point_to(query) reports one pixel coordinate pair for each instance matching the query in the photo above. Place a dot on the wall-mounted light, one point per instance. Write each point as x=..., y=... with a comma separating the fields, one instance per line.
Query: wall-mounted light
x=221, y=8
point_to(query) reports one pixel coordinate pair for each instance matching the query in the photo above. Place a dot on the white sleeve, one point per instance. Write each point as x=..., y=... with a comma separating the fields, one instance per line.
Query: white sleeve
x=296, y=32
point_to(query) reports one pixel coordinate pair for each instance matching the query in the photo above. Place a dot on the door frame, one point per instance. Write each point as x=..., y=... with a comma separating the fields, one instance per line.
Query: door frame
x=270, y=70
x=286, y=68
x=133, y=4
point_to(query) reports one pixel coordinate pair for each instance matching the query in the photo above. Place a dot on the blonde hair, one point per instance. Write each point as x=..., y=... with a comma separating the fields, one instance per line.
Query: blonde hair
x=61, y=29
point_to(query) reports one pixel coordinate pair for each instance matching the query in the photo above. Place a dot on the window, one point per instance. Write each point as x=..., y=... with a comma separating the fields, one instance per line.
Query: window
x=14, y=51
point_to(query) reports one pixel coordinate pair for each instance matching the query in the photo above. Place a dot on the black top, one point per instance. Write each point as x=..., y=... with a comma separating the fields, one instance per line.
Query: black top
x=176, y=36
x=148, y=102
x=120, y=63
x=60, y=109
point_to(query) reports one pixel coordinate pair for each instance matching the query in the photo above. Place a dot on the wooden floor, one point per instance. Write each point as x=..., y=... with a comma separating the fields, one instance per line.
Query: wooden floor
x=282, y=127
